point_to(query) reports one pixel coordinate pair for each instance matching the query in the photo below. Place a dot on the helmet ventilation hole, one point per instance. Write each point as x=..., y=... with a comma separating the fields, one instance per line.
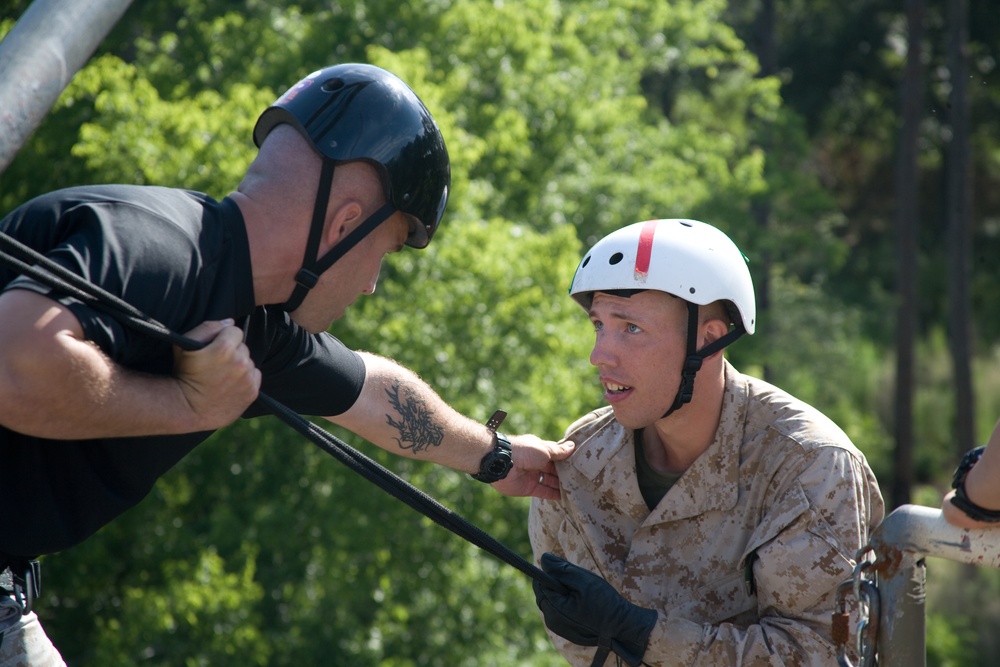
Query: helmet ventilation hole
x=333, y=85
x=615, y=258
x=586, y=261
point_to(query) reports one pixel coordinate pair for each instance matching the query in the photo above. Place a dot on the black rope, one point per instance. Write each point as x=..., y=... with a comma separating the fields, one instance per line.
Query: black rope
x=26, y=261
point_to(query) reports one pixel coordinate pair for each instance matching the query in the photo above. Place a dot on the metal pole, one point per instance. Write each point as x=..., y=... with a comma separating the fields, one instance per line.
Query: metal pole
x=901, y=543
x=40, y=55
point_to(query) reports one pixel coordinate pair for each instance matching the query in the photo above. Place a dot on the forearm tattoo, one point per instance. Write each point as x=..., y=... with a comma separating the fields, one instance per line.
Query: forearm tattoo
x=417, y=429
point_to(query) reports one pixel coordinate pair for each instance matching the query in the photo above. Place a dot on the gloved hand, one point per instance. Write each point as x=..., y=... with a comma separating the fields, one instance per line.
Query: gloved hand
x=590, y=612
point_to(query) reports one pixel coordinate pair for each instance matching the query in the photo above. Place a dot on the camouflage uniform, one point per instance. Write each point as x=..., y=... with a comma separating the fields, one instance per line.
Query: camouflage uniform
x=743, y=556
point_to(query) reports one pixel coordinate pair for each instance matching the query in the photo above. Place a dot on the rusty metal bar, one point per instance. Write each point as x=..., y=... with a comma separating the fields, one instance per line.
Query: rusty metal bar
x=901, y=543
x=39, y=57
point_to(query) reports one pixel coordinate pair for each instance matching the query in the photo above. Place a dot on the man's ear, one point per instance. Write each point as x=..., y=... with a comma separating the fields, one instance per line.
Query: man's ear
x=712, y=330
x=343, y=218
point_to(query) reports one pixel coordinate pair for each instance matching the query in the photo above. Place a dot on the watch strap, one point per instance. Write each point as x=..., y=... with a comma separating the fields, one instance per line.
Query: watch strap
x=961, y=499
x=497, y=462
x=494, y=422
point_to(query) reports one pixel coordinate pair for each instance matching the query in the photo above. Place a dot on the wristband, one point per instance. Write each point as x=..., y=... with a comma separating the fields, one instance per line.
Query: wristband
x=961, y=498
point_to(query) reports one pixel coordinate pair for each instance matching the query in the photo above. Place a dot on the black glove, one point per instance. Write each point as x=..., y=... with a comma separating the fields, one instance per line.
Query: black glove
x=588, y=611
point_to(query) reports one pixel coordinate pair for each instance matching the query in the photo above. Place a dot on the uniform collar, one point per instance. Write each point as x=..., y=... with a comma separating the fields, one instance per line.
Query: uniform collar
x=607, y=459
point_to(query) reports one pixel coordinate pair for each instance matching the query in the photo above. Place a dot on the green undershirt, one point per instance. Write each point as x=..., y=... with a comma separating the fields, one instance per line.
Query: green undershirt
x=652, y=484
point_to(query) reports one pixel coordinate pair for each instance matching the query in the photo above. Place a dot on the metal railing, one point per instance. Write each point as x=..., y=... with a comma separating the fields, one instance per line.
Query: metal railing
x=900, y=546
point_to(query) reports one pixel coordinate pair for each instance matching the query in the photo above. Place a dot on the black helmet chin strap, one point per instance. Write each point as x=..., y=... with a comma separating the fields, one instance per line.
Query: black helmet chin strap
x=314, y=266
x=694, y=358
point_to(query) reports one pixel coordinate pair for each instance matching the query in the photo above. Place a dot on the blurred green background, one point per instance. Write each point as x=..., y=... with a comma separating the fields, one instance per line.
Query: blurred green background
x=777, y=121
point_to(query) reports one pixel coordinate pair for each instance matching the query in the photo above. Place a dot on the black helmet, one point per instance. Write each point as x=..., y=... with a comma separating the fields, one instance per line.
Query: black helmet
x=355, y=112
x=361, y=112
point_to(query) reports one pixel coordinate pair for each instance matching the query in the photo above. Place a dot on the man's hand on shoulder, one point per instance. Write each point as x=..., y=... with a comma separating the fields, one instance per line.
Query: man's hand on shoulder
x=534, y=472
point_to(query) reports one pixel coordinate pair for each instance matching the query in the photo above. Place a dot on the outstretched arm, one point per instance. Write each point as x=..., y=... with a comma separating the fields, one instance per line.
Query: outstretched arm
x=400, y=413
x=55, y=384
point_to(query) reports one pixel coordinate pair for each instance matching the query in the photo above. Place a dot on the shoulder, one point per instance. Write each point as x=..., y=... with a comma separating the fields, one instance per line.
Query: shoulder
x=590, y=423
x=803, y=456
x=157, y=200
x=175, y=211
x=779, y=410
x=138, y=218
x=791, y=426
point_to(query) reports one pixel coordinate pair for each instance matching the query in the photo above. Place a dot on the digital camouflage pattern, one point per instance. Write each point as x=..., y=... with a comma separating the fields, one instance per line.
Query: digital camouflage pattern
x=781, y=494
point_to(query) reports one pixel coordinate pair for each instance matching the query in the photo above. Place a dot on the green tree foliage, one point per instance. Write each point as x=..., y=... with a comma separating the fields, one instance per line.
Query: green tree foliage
x=198, y=142
x=841, y=63
x=564, y=120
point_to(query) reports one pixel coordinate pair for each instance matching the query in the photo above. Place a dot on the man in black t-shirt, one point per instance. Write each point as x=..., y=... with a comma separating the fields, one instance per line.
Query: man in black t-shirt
x=93, y=413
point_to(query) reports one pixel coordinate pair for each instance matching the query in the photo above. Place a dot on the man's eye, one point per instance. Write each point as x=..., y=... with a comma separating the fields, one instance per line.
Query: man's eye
x=632, y=328
x=598, y=325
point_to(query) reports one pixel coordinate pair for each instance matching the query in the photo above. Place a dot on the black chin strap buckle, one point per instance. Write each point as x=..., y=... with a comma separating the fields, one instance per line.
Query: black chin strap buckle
x=691, y=367
x=306, y=278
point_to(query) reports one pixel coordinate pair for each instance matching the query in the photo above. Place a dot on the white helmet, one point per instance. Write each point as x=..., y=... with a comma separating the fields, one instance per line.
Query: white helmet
x=692, y=260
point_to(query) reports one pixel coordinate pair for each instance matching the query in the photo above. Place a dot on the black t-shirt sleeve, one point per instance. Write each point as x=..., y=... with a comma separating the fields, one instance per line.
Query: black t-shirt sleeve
x=140, y=245
x=313, y=374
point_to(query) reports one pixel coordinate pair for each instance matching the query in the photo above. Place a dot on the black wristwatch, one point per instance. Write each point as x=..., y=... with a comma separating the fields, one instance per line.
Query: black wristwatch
x=960, y=499
x=499, y=461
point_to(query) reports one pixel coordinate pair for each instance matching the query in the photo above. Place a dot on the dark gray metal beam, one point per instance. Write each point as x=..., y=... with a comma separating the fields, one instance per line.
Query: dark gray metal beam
x=48, y=45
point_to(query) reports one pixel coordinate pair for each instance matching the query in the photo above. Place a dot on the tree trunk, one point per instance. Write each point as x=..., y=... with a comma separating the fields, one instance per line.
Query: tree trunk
x=959, y=205
x=907, y=229
x=764, y=26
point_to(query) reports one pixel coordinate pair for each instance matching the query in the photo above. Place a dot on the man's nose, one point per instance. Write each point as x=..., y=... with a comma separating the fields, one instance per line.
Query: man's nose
x=603, y=354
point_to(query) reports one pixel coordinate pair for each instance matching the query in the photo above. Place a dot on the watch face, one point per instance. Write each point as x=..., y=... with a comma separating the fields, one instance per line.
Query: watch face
x=496, y=466
x=497, y=463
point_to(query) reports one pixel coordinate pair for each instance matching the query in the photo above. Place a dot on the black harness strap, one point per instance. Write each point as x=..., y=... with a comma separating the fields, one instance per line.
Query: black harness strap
x=352, y=239
x=313, y=265
x=25, y=260
x=306, y=278
x=695, y=357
